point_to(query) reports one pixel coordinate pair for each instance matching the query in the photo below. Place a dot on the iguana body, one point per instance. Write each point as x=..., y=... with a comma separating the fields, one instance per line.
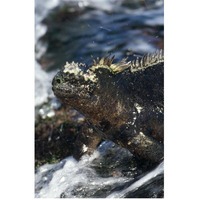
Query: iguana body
x=122, y=102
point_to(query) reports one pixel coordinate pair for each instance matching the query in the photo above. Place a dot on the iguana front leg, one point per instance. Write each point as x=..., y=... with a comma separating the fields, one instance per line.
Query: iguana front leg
x=86, y=142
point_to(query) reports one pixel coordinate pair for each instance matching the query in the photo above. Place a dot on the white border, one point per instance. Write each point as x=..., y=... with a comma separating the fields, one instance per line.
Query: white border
x=182, y=99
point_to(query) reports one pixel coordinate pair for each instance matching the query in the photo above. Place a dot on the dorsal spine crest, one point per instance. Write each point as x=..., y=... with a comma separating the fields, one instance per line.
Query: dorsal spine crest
x=135, y=65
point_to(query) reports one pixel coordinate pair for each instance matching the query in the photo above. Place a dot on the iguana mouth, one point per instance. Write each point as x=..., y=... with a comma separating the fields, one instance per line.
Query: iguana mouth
x=65, y=90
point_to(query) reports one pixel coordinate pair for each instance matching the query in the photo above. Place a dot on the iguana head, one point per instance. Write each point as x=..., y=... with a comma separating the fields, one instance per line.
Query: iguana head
x=98, y=90
x=89, y=89
x=74, y=81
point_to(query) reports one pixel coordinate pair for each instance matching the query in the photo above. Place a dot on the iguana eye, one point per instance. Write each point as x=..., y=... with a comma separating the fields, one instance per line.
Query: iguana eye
x=58, y=80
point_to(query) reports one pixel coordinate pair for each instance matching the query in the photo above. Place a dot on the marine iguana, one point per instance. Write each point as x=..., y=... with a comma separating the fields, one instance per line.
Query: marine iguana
x=122, y=102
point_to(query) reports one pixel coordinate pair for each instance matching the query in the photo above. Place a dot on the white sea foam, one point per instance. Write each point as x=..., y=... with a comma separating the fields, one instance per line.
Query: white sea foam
x=66, y=176
x=43, y=89
x=74, y=179
x=41, y=10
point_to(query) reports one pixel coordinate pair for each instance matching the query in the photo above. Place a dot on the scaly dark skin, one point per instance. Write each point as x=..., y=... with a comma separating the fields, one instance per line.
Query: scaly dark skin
x=122, y=103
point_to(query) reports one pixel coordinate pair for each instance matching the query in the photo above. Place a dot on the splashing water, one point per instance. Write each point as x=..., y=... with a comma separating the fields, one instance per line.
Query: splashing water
x=70, y=178
x=75, y=178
